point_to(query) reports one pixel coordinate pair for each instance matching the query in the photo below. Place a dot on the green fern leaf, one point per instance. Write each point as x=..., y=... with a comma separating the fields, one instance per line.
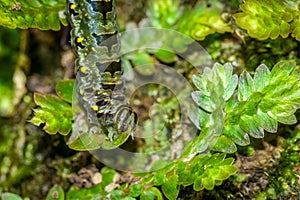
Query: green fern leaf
x=269, y=19
x=170, y=187
x=261, y=102
x=151, y=193
x=41, y=14
x=64, y=89
x=54, y=113
x=206, y=171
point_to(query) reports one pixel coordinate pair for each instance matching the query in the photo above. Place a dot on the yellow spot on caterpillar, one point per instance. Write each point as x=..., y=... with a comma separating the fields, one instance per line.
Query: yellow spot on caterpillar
x=73, y=6
x=81, y=92
x=79, y=39
x=83, y=69
x=95, y=108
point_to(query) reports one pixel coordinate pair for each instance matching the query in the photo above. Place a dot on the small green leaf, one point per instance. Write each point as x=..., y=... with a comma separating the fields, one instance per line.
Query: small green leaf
x=55, y=113
x=231, y=104
x=221, y=73
x=198, y=185
x=218, y=174
x=135, y=190
x=228, y=161
x=224, y=172
x=218, y=182
x=108, y=175
x=200, y=143
x=208, y=183
x=216, y=159
x=180, y=166
x=64, y=90
x=86, y=193
x=201, y=84
x=196, y=165
x=295, y=29
x=56, y=193
x=236, y=134
x=284, y=29
x=245, y=86
x=10, y=196
x=230, y=169
x=170, y=187
x=148, y=180
x=116, y=195
x=261, y=77
x=151, y=194
x=230, y=89
x=284, y=119
x=250, y=126
x=143, y=63
x=203, y=101
x=159, y=178
x=199, y=117
x=228, y=74
x=266, y=122
x=165, y=56
x=185, y=178
x=282, y=69
x=224, y=144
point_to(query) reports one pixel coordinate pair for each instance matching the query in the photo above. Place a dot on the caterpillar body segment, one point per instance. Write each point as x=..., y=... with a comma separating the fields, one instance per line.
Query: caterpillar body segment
x=99, y=88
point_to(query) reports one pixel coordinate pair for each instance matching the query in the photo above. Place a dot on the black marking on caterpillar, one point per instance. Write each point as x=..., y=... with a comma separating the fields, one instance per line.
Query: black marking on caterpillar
x=99, y=89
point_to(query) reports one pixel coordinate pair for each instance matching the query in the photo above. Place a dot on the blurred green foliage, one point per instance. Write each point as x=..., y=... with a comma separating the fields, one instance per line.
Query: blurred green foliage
x=9, y=54
x=198, y=22
x=204, y=20
x=17, y=157
x=10, y=196
x=269, y=51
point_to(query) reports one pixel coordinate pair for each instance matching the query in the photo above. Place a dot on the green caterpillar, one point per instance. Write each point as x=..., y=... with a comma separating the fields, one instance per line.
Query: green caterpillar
x=99, y=87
